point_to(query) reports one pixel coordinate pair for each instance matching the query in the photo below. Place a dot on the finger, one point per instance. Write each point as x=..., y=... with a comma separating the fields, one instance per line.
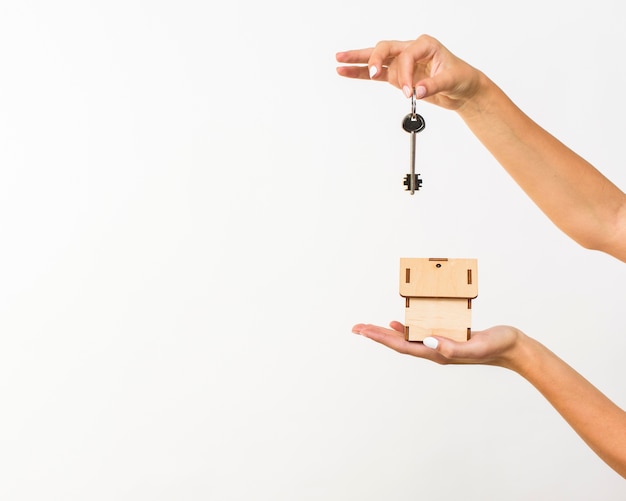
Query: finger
x=397, y=326
x=395, y=340
x=353, y=72
x=361, y=56
x=472, y=351
x=388, y=337
x=422, y=50
x=358, y=56
x=360, y=72
x=356, y=329
x=382, y=55
x=431, y=86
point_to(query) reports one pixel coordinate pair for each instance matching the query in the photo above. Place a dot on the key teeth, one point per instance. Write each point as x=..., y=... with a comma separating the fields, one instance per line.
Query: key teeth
x=417, y=181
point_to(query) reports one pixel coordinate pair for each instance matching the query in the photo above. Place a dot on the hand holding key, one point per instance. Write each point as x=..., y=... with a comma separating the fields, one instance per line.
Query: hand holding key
x=413, y=123
x=423, y=66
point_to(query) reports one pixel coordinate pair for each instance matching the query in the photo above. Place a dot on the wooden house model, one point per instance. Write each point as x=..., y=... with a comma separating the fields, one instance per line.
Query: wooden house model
x=438, y=296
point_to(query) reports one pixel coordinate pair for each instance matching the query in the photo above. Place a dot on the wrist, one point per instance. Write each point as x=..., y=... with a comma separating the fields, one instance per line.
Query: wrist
x=481, y=100
x=523, y=355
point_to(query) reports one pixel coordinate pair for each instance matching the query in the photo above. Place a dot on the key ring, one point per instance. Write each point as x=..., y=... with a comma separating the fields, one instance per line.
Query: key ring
x=414, y=103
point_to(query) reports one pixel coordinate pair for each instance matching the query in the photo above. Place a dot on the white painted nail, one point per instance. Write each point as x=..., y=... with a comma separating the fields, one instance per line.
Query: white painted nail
x=431, y=342
x=373, y=71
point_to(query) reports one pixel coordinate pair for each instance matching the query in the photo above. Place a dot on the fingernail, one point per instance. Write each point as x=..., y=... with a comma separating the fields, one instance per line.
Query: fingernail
x=407, y=91
x=431, y=342
x=373, y=71
x=420, y=91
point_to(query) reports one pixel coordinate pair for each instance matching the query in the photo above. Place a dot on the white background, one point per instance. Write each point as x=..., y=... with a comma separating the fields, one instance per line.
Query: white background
x=195, y=209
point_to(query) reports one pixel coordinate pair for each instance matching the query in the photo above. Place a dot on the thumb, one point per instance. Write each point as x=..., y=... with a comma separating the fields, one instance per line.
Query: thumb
x=441, y=82
x=451, y=350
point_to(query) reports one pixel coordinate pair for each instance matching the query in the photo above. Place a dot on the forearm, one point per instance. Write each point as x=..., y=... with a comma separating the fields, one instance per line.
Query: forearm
x=568, y=189
x=596, y=419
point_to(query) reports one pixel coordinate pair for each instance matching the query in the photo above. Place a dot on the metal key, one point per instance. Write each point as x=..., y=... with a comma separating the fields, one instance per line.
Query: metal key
x=413, y=123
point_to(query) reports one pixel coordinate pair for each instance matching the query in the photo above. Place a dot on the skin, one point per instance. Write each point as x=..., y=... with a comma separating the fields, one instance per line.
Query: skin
x=568, y=189
x=578, y=199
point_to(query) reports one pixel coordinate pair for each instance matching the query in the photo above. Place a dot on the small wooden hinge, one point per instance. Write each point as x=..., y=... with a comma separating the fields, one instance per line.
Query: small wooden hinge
x=407, y=278
x=469, y=277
